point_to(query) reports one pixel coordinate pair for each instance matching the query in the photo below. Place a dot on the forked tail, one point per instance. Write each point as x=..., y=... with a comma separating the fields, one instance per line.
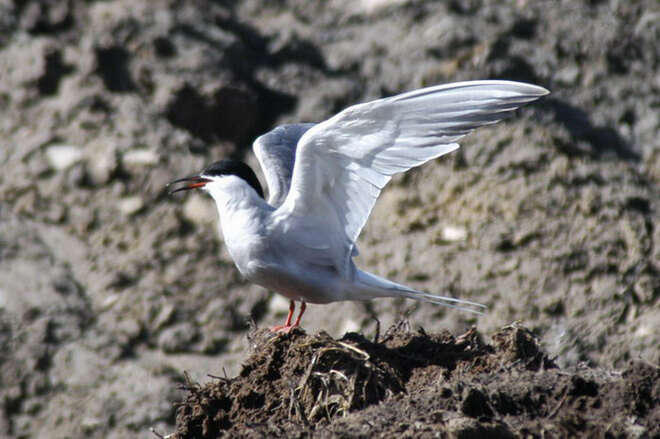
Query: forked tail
x=372, y=286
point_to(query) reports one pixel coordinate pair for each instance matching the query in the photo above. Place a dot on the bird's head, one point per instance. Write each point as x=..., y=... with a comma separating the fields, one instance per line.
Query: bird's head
x=215, y=173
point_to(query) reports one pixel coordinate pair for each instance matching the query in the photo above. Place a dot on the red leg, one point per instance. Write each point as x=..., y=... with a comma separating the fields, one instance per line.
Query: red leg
x=287, y=325
x=292, y=308
x=303, y=307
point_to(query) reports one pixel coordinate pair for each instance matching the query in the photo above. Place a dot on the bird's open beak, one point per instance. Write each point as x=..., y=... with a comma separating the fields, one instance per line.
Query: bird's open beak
x=191, y=183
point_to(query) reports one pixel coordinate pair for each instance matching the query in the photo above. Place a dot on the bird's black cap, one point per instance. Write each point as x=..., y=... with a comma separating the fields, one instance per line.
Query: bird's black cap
x=222, y=167
x=234, y=167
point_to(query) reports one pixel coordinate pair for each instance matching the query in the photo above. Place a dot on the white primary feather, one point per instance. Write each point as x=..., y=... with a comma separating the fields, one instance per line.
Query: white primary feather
x=343, y=163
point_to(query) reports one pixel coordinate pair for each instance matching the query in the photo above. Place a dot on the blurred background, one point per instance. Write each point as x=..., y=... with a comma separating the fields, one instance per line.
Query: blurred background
x=110, y=289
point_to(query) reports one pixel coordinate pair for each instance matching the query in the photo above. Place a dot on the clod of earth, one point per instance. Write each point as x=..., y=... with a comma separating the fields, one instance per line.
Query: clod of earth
x=412, y=383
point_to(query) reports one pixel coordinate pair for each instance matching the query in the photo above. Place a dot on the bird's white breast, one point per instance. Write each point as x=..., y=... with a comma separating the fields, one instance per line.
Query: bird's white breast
x=244, y=237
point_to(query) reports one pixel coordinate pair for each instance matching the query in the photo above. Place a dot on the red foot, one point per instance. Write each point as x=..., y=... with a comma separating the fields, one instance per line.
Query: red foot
x=282, y=328
x=287, y=326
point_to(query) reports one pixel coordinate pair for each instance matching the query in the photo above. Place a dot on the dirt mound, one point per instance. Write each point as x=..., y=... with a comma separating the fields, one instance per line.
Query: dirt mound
x=417, y=384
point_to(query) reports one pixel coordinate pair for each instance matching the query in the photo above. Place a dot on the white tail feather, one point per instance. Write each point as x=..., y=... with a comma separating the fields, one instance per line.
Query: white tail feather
x=372, y=286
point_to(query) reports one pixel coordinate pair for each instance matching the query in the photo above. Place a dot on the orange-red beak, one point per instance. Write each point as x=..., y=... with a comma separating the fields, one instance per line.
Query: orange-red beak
x=191, y=183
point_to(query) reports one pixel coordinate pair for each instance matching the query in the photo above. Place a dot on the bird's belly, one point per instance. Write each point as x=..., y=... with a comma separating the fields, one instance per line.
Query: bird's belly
x=309, y=284
x=271, y=264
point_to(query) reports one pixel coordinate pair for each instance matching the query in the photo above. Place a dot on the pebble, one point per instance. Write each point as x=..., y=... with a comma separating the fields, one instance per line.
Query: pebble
x=164, y=316
x=140, y=157
x=568, y=75
x=101, y=168
x=454, y=233
x=61, y=157
x=103, y=161
x=109, y=301
x=130, y=205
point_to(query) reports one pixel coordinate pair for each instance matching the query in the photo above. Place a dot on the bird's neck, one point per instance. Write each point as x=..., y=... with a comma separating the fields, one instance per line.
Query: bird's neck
x=240, y=208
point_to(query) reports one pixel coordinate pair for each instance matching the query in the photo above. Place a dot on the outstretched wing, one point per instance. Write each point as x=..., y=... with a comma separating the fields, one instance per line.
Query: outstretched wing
x=343, y=163
x=276, y=152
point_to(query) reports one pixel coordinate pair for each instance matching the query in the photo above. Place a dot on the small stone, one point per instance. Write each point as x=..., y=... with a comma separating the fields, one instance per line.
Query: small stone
x=453, y=234
x=140, y=157
x=568, y=75
x=90, y=424
x=109, y=301
x=508, y=266
x=130, y=205
x=104, y=163
x=61, y=157
x=164, y=316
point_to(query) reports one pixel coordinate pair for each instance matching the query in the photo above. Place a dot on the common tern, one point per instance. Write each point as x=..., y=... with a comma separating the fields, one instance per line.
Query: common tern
x=323, y=180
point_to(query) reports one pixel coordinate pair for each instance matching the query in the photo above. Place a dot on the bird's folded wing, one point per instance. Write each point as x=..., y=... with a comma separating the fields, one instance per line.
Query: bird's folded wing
x=343, y=163
x=276, y=152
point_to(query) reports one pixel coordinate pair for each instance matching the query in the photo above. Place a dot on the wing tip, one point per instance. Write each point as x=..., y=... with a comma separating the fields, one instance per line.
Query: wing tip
x=516, y=88
x=535, y=90
x=522, y=88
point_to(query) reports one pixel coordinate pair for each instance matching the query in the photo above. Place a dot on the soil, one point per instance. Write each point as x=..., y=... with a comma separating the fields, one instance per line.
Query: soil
x=110, y=290
x=414, y=384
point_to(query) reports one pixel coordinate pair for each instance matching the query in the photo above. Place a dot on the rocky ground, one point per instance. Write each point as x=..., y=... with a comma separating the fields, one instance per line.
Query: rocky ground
x=110, y=289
